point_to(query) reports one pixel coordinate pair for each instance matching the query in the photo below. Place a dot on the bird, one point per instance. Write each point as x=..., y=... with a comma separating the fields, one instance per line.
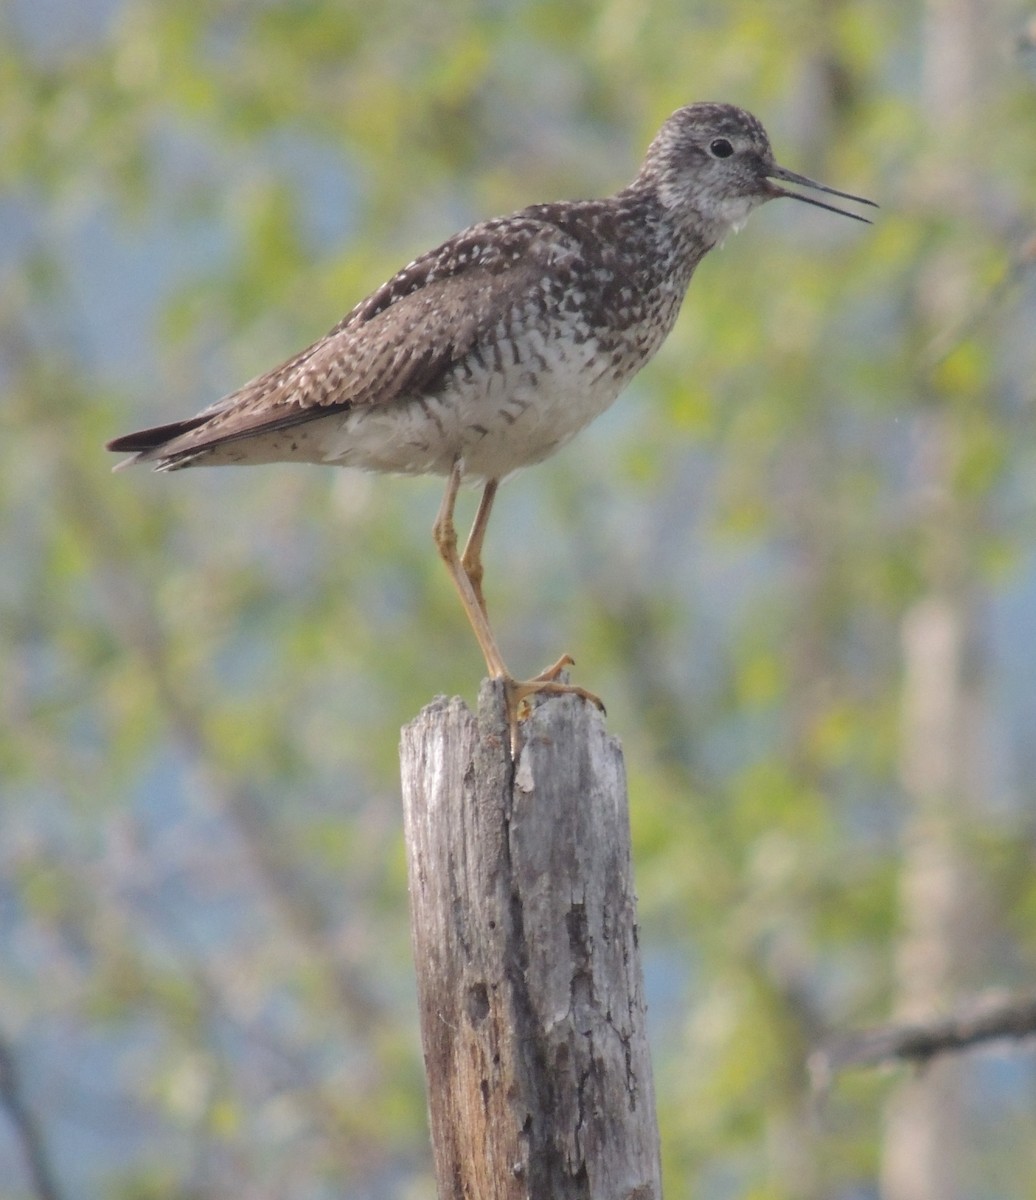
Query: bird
x=490, y=352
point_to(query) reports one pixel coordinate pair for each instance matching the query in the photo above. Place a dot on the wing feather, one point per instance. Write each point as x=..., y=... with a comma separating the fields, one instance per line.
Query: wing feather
x=401, y=341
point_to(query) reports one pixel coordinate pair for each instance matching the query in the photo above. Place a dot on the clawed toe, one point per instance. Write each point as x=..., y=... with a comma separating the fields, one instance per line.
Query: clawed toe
x=517, y=694
x=553, y=674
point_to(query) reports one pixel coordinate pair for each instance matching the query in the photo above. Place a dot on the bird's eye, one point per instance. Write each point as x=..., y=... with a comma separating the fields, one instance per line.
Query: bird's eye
x=720, y=148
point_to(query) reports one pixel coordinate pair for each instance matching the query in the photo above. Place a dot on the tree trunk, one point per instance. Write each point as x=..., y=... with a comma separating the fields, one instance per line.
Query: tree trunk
x=941, y=758
x=525, y=941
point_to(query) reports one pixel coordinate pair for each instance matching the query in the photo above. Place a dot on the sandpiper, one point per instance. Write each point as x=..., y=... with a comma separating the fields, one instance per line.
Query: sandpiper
x=493, y=350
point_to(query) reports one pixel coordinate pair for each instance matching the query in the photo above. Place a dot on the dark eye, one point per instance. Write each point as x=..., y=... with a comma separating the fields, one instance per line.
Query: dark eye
x=721, y=148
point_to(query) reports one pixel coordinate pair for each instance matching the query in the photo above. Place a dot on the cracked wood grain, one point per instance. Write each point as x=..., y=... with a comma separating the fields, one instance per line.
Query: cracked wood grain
x=525, y=942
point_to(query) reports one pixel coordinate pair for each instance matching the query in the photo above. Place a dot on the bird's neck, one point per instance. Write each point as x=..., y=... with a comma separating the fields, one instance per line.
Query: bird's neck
x=695, y=220
x=680, y=235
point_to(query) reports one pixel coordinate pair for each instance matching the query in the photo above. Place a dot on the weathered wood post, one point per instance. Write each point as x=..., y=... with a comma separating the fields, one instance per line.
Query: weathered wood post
x=525, y=940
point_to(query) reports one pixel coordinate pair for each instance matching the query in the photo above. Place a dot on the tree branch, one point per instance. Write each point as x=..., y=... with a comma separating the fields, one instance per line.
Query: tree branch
x=989, y=1018
x=26, y=1127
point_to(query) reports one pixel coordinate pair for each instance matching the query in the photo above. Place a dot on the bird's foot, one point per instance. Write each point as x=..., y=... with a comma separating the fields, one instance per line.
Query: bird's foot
x=553, y=674
x=547, y=683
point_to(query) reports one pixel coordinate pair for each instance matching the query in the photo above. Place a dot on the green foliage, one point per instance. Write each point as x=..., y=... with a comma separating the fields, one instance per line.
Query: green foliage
x=202, y=676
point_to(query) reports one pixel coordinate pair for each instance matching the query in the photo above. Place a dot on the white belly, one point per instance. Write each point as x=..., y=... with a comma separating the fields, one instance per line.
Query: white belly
x=496, y=421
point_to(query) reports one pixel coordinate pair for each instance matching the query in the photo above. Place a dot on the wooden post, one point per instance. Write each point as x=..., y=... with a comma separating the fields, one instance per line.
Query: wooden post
x=525, y=940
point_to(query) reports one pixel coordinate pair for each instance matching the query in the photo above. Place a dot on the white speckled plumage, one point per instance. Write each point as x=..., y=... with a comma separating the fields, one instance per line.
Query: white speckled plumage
x=493, y=350
x=502, y=343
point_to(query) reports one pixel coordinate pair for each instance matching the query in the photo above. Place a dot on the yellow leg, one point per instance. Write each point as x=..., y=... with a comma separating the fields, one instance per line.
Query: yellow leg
x=445, y=535
x=471, y=559
x=466, y=573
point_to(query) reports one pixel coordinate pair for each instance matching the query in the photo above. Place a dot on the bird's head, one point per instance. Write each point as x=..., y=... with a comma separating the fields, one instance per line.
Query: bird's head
x=711, y=164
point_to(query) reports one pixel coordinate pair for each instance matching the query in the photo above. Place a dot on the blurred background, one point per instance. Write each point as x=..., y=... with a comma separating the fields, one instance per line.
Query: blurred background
x=798, y=559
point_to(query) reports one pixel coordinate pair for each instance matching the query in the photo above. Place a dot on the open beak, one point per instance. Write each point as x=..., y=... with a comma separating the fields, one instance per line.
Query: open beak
x=801, y=180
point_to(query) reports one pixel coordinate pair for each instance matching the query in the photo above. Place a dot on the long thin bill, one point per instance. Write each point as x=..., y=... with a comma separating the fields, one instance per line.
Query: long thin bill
x=802, y=181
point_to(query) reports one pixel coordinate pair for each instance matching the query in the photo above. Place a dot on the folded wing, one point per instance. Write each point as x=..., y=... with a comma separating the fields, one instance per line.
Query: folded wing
x=400, y=342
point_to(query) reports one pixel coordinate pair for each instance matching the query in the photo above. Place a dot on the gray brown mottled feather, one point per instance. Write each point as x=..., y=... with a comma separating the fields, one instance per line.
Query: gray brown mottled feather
x=399, y=341
x=496, y=347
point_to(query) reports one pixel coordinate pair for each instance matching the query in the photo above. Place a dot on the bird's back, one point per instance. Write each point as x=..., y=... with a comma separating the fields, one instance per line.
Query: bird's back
x=498, y=346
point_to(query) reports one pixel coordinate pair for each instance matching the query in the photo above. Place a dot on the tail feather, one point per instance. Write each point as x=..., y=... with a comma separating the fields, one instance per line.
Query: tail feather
x=145, y=440
x=146, y=445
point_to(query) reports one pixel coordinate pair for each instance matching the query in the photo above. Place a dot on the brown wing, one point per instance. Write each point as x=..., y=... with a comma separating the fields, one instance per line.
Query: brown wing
x=400, y=341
